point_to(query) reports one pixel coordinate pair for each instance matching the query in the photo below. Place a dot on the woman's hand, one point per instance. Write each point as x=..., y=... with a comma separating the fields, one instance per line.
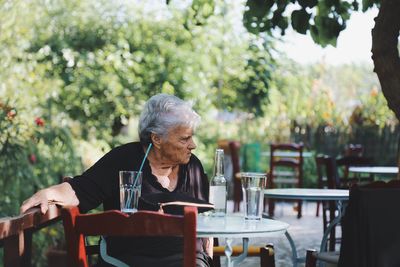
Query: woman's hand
x=61, y=194
x=208, y=245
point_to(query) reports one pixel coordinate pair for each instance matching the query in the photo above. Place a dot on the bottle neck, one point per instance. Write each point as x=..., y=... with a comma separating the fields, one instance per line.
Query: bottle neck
x=219, y=163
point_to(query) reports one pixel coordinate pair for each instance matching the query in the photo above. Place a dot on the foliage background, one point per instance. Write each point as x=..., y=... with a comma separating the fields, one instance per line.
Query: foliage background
x=75, y=74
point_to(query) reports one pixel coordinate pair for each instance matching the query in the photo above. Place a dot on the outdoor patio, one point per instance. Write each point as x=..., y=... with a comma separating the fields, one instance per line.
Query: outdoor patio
x=316, y=78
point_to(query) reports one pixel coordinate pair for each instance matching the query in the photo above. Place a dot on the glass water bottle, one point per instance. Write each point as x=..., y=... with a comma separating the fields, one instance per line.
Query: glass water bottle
x=218, y=185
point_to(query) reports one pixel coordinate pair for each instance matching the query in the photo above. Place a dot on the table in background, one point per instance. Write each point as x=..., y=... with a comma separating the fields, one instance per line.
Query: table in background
x=372, y=170
x=341, y=197
x=229, y=227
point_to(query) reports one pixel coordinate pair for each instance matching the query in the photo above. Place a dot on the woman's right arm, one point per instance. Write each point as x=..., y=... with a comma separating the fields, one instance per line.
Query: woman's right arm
x=61, y=194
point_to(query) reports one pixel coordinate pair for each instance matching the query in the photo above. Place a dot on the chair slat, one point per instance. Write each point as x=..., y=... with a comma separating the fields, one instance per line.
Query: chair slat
x=116, y=223
x=147, y=223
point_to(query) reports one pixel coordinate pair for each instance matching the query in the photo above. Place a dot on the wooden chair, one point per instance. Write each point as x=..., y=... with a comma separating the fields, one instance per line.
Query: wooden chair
x=16, y=234
x=116, y=223
x=344, y=163
x=322, y=180
x=370, y=228
x=234, y=147
x=356, y=150
x=328, y=178
x=285, y=170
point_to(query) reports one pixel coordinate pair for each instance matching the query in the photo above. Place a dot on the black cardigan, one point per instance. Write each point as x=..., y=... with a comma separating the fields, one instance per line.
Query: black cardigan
x=371, y=228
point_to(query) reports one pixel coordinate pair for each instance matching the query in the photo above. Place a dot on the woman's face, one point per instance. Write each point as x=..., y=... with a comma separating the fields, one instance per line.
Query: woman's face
x=176, y=147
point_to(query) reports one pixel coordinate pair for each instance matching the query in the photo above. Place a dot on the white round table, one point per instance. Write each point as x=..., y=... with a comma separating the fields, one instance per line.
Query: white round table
x=311, y=194
x=341, y=196
x=229, y=227
x=375, y=169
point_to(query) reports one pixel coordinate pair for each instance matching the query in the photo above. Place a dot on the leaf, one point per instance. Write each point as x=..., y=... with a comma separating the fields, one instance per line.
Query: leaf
x=279, y=21
x=283, y=24
x=331, y=3
x=300, y=20
x=343, y=10
x=355, y=5
x=315, y=36
x=307, y=3
x=368, y=4
x=256, y=11
x=328, y=29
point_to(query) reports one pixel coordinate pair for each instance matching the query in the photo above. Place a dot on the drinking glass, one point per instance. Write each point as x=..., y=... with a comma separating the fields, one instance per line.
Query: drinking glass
x=253, y=185
x=130, y=186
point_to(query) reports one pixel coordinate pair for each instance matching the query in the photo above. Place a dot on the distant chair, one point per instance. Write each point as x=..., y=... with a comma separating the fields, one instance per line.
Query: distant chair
x=322, y=180
x=370, y=229
x=234, y=147
x=344, y=163
x=286, y=170
x=328, y=178
x=228, y=167
x=354, y=150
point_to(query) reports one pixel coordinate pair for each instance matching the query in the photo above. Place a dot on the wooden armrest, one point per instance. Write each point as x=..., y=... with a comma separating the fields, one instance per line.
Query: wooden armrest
x=237, y=250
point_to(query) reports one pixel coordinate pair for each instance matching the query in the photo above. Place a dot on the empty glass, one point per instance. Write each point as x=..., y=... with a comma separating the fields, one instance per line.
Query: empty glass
x=130, y=187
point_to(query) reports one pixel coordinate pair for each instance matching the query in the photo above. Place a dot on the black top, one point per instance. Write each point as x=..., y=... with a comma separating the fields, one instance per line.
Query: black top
x=370, y=227
x=100, y=185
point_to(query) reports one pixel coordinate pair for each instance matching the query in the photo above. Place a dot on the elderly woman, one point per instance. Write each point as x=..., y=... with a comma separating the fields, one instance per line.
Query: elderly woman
x=168, y=124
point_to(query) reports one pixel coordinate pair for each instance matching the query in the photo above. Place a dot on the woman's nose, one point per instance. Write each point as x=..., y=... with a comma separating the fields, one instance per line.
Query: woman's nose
x=192, y=144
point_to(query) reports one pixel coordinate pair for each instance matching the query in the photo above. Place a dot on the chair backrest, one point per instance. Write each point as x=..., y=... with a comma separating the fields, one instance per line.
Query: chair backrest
x=354, y=161
x=116, y=223
x=345, y=162
x=288, y=155
x=327, y=172
x=234, y=147
x=354, y=150
x=371, y=235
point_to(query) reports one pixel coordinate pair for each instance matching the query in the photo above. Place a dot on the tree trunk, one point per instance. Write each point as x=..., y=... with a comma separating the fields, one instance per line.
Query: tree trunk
x=386, y=55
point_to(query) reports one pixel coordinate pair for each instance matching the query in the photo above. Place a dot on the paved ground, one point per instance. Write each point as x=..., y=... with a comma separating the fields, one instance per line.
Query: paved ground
x=306, y=233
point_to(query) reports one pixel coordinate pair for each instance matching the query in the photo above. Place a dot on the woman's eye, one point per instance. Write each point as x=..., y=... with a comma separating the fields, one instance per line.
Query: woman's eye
x=185, y=139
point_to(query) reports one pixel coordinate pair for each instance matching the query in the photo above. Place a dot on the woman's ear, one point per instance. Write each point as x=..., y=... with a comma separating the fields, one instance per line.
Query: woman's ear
x=156, y=140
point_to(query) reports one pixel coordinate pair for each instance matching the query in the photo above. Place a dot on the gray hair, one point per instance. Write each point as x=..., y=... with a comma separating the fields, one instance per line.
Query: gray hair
x=163, y=112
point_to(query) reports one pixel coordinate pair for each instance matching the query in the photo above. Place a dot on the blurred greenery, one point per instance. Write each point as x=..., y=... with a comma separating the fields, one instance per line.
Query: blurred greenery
x=75, y=74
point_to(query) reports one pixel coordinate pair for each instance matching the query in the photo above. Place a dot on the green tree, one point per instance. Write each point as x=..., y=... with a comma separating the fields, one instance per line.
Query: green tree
x=324, y=20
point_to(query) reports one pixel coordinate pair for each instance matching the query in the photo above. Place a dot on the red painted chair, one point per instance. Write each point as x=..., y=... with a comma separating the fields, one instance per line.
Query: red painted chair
x=116, y=223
